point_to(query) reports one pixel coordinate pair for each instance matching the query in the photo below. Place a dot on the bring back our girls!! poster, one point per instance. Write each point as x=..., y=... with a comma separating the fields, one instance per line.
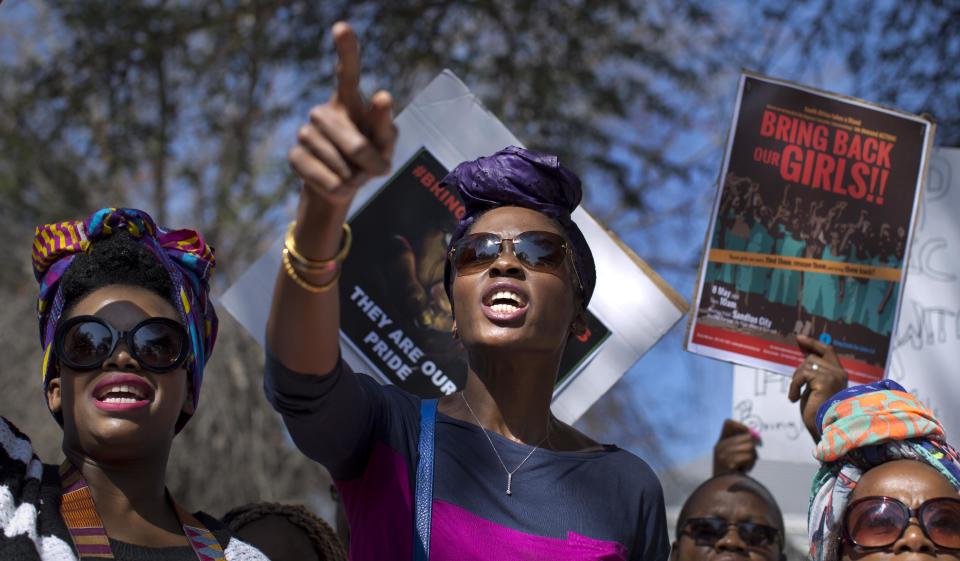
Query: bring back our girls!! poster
x=810, y=230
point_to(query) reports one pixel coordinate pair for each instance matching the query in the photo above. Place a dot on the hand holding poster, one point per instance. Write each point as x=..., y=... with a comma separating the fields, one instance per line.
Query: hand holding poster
x=395, y=317
x=810, y=229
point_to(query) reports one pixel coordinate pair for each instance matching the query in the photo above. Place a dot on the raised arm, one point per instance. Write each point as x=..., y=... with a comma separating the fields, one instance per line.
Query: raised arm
x=345, y=143
x=815, y=381
x=736, y=449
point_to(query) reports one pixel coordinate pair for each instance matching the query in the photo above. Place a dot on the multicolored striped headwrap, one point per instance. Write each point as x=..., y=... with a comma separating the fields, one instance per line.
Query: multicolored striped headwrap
x=189, y=261
x=863, y=427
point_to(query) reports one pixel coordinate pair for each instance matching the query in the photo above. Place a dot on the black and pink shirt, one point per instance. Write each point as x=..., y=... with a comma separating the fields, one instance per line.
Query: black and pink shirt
x=603, y=505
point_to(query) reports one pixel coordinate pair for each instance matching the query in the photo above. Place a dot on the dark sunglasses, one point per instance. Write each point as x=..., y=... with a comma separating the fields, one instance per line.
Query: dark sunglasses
x=538, y=251
x=708, y=531
x=878, y=522
x=85, y=342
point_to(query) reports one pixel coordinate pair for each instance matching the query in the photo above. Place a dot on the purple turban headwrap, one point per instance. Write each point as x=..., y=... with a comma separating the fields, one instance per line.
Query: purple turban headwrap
x=183, y=254
x=524, y=178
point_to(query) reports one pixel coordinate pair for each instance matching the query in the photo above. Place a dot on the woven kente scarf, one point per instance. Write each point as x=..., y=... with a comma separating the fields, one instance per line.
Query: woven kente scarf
x=89, y=537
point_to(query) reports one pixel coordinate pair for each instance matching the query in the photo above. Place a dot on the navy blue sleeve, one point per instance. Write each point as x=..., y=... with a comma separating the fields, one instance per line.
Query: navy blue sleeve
x=331, y=418
x=653, y=542
x=335, y=419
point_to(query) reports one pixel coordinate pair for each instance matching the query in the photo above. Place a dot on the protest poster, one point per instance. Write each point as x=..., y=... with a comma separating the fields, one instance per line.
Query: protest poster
x=810, y=229
x=395, y=319
x=927, y=340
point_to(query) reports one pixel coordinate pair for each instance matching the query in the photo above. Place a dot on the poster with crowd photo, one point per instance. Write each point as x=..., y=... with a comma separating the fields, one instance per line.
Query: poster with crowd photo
x=394, y=310
x=810, y=230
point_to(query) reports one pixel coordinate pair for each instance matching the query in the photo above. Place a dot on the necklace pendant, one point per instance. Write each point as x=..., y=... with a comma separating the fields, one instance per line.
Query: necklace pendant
x=509, y=483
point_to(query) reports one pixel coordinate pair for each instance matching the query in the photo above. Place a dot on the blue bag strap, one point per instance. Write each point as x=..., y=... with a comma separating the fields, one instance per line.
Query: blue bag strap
x=423, y=506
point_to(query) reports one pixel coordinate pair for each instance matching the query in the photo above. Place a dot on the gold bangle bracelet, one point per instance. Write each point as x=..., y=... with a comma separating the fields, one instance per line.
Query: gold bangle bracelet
x=308, y=286
x=318, y=264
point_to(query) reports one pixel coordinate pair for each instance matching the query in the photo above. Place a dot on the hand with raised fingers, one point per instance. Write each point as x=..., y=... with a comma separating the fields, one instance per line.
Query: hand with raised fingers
x=347, y=140
x=818, y=377
x=736, y=450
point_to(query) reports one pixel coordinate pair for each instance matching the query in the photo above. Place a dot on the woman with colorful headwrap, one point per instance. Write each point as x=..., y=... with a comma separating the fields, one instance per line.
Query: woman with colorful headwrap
x=126, y=327
x=888, y=484
x=511, y=481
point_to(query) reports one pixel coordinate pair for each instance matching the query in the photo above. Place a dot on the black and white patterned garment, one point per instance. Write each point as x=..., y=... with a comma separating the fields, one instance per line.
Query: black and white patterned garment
x=32, y=529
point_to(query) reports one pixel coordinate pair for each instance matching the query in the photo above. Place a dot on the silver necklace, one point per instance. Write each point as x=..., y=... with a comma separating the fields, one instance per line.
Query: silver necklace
x=490, y=440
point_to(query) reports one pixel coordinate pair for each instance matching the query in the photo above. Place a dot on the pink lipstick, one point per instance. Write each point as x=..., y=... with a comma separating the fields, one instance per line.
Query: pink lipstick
x=122, y=392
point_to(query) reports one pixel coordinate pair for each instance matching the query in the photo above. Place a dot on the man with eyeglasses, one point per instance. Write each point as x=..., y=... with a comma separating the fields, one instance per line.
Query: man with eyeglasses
x=730, y=516
x=733, y=516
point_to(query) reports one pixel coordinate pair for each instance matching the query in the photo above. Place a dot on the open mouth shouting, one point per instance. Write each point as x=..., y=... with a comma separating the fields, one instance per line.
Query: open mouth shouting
x=505, y=303
x=118, y=392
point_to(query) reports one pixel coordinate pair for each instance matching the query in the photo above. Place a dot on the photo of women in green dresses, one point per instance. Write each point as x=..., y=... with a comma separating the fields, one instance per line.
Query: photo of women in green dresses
x=803, y=293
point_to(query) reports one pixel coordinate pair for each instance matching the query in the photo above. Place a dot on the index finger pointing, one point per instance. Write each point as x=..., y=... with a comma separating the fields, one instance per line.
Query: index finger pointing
x=800, y=377
x=348, y=69
x=380, y=118
x=812, y=345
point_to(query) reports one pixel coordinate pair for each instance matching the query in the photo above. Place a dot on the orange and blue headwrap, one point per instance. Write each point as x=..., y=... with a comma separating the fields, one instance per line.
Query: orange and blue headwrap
x=183, y=254
x=863, y=427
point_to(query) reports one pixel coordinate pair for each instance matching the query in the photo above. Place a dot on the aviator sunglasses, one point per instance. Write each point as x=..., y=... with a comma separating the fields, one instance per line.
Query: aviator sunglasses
x=158, y=344
x=538, y=251
x=709, y=531
x=878, y=522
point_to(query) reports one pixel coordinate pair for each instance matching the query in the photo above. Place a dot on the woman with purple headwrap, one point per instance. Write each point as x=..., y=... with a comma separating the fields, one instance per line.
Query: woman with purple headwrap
x=126, y=328
x=510, y=480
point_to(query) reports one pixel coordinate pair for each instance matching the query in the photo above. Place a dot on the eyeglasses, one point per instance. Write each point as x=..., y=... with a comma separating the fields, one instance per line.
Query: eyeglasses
x=538, y=251
x=878, y=522
x=709, y=531
x=85, y=342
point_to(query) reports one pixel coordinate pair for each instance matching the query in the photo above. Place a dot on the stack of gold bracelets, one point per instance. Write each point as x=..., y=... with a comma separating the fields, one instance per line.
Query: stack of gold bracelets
x=291, y=256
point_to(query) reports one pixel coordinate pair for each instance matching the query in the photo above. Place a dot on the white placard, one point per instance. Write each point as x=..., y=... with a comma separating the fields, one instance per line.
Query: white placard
x=760, y=402
x=927, y=344
x=630, y=299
